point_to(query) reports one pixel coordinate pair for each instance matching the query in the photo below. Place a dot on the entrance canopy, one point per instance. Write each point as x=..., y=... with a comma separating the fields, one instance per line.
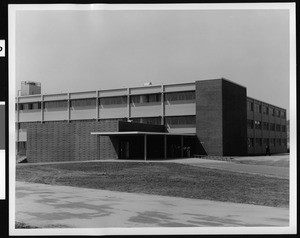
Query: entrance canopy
x=147, y=133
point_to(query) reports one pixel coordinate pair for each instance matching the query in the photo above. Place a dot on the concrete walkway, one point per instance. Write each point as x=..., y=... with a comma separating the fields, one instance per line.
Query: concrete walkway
x=62, y=206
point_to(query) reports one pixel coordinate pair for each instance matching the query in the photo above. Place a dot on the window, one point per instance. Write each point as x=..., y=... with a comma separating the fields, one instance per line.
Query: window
x=180, y=96
x=250, y=124
x=148, y=120
x=278, y=127
x=271, y=111
x=272, y=141
x=277, y=113
x=265, y=110
x=145, y=98
x=278, y=141
x=257, y=108
x=113, y=100
x=36, y=105
x=181, y=120
x=22, y=125
x=283, y=128
x=282, y=114
x=266, y=141
x=30, y=106
x=250, y=106
x=250, y=142
x=83, y=102
x=284, y=142
x=258, y=141
x=257, y=124
x=55, y=104
x=272, y=126
x=265, y=126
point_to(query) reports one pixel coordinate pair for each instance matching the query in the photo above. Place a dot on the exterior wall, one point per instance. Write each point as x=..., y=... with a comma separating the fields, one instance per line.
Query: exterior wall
x=81, y=113
x=178, y=108
x=56, y=114
x=266, y=134
x=209, y=113
x=63, y=141
x=145, y=109
x=220, y=109
x=32, y=115
x=234, y=98
x=221, y=117
x=113, y=111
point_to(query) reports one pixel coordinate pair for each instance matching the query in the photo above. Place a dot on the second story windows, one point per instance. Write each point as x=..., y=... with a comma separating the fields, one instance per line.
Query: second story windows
x=55, y=104
x=147, y=98
x=180, y=96
x=257, y=108
x=87, y=102
x=29, y=106
x=120, y=100
x=250, y=106
x=265, y=110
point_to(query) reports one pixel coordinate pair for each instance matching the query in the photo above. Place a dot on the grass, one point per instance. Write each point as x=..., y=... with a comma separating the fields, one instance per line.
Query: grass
x=21, y=225
x=163, y=179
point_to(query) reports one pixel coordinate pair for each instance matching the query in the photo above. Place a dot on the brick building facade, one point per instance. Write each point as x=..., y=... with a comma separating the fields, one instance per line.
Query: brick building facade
x=213, y=117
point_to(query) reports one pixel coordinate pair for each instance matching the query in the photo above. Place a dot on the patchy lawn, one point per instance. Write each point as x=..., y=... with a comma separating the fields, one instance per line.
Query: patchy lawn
x=163, y=179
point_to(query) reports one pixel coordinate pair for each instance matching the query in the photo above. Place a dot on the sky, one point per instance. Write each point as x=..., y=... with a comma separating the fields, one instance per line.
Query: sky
x=69, y=51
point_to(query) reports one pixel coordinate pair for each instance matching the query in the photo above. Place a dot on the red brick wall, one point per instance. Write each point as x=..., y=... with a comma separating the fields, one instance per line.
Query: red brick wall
x=63, y=141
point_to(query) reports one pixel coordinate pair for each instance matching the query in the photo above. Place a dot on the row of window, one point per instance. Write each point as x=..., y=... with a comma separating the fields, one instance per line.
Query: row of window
x=266, y=141
x=119, y=100
x=174, y=120
x=265, y=110
x=252, y=124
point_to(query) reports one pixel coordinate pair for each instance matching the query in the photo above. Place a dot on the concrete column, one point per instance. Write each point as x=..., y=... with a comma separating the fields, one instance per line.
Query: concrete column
x=165, y=146
x=145, y=147
x=181, y=146
x=128, y=104
x=42, y=108
x=97, y=105
x=162, y=105
x=18, y=110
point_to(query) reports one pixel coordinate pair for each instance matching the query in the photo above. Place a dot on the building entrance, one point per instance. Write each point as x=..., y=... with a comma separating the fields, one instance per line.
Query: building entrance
x=124, y=149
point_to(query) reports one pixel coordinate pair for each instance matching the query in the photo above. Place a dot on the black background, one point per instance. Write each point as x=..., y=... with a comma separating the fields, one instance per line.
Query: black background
x=4, y=81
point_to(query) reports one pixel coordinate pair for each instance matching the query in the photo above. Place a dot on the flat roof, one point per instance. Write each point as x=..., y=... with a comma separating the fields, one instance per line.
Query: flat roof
x=112, y=133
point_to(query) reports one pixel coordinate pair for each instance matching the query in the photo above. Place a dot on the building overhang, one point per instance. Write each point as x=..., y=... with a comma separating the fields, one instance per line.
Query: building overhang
x=120, y=133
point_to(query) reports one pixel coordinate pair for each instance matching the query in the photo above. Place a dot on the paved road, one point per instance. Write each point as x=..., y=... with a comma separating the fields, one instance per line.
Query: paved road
x=62, y=206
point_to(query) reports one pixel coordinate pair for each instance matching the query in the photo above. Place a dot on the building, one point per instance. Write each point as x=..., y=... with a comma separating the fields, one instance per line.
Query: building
x=207, y=117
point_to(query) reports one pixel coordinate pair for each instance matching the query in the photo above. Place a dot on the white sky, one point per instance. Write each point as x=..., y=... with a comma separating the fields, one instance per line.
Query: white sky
x=87, y=50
